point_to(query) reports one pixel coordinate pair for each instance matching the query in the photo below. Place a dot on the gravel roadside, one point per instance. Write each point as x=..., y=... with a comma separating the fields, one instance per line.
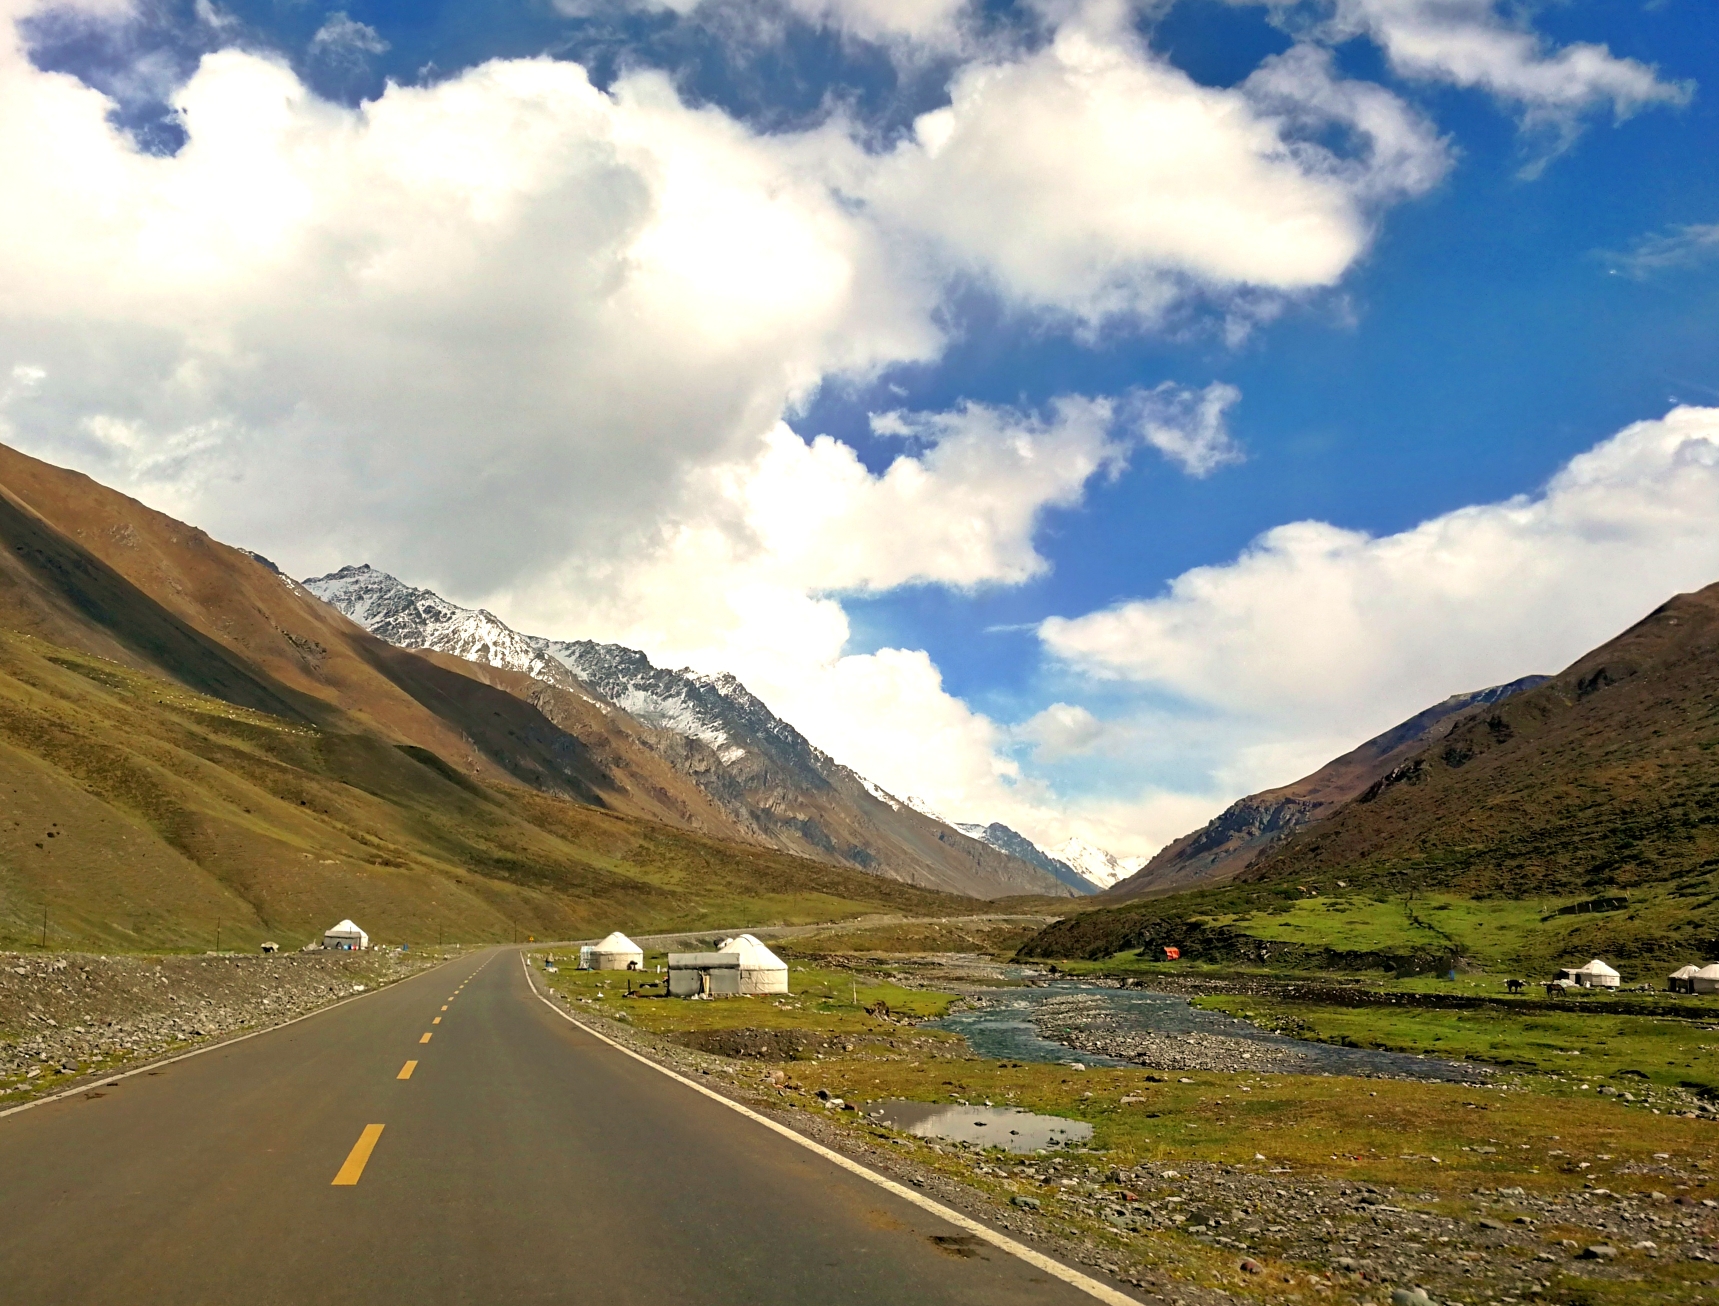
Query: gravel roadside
x=65, y=1016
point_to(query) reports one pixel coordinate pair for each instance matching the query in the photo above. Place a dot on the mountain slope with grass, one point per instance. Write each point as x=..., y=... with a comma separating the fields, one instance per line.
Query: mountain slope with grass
x=1591, y=801
x=1250, y=828
x=188, y=739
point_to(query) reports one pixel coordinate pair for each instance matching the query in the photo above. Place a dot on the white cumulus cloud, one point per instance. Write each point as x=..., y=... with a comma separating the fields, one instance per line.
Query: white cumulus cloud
x=1317, y=636
x=535, y=343
x=1188, y=426
x=1469, y=43
x=1094, y=179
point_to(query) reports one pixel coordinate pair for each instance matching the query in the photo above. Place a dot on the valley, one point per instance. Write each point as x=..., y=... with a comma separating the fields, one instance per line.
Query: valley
x=1290, y=1033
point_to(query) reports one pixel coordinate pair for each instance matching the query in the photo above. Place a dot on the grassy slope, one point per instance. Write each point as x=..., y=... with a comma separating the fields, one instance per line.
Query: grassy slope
x=1584, y=1046
x=140, y=813
x=1603, y=781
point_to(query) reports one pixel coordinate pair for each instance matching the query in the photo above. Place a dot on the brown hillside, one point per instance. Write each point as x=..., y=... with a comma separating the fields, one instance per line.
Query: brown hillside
x=1251, y=827
x=213, y=617
x=1608, y=774
x=222, y=747
x=95, y=570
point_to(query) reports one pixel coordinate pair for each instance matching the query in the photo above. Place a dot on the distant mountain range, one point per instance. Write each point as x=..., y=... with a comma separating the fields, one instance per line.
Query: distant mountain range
x=767, y=781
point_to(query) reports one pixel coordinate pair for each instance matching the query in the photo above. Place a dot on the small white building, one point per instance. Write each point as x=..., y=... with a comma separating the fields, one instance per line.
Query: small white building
x=617, y=952
x=1705, y=980
x=761, y=971
x=704, y=974
x=1679, y=980
x=345, y=937
x=1595, y=975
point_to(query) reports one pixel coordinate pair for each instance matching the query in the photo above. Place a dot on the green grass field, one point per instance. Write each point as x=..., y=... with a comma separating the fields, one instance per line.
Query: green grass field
x=820, y=998
x=1446, y=1145
x=1502, y=937
x=1622, y=1051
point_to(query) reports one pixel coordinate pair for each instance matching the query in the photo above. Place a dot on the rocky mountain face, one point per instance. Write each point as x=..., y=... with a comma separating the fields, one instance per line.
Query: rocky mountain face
x=768, y=783
x=1248, y=829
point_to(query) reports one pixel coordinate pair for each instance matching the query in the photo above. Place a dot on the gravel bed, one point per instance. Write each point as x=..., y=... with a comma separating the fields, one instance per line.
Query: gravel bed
x=1085, y=1023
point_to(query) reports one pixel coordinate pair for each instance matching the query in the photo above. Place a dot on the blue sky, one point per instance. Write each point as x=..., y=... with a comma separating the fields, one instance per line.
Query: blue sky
x=1538, y=272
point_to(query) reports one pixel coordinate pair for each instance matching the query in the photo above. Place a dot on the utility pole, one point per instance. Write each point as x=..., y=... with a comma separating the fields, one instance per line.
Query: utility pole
x=217, y=934
x=44, y=928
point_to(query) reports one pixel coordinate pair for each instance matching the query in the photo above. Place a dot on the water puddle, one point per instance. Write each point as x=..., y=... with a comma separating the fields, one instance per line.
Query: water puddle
x=983, y=1126
x=1163, y=1030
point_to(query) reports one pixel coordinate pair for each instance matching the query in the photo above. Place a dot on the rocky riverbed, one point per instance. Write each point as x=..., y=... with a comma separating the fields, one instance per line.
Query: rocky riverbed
x=1087, y=1023
x=66, y=1015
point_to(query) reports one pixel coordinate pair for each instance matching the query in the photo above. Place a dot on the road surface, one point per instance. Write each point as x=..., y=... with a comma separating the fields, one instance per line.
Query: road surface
x=517, y=1160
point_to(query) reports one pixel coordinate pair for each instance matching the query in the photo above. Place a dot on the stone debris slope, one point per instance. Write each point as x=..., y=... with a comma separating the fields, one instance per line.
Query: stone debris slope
x=63, y=1015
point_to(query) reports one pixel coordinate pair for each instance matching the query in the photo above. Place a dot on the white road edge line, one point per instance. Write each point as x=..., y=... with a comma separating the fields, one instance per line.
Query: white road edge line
x=102, y=1080
x=1038, y=1260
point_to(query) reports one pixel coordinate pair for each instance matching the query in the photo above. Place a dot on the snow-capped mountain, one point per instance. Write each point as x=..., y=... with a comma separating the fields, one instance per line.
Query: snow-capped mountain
x=1014, y=843
x=1097, y=867
x=771, y=783
x=418, y=618
x=698, y=706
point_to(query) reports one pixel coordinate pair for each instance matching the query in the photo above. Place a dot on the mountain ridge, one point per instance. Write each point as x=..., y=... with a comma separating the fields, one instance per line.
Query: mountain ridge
x=772, y=784
x=1597, y=786
x=1250, y=827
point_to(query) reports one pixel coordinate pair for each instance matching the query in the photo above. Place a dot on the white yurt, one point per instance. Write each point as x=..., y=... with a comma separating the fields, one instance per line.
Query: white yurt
x=1680, y=979
x=345, y=936
x=1596, y=975
x=1705, y=980
x=761, y=971
x=617, y=952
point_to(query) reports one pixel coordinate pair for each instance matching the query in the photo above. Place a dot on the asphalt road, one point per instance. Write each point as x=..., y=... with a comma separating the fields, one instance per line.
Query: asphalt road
x=521, y=1161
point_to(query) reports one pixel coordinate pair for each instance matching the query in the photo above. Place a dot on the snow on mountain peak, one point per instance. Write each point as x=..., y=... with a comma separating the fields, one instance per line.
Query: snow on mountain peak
x=1095, y=865
x=709, y=708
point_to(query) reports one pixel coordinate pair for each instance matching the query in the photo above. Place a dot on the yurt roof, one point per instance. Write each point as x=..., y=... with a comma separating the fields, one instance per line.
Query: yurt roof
x=1598, y=967
x=617, y=942
x=1710, y=971
x=345, y=927
x=753, y=954
x=1685, y=972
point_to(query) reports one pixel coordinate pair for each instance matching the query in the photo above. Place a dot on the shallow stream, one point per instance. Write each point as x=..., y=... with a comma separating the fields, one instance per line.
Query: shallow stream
x=1000, y=1023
